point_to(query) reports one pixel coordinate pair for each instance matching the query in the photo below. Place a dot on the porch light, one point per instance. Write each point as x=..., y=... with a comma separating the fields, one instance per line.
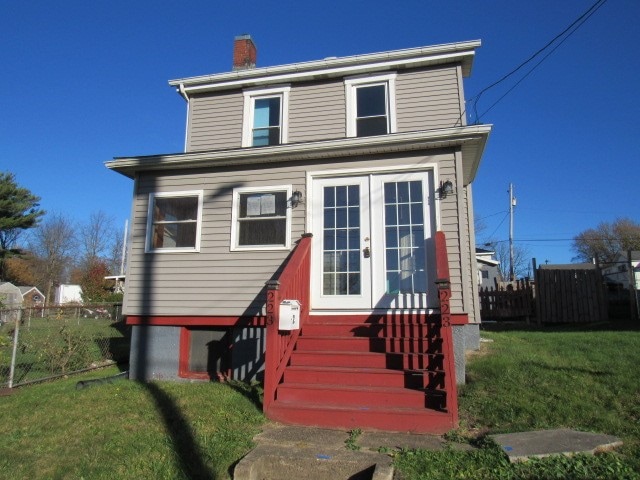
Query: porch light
x=296, y=198
x=446, y=188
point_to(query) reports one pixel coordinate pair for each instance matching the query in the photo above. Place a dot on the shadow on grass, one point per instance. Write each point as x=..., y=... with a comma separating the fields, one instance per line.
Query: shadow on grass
x=187, y=451
x=251, y=391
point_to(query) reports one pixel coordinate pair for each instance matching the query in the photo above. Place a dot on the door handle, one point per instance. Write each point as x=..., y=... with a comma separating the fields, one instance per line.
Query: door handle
x=366, y=252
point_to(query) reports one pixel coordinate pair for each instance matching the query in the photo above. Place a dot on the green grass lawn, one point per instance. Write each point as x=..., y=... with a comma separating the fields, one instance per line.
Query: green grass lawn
x=532, y=380
x=552, y=378
x=125, y=430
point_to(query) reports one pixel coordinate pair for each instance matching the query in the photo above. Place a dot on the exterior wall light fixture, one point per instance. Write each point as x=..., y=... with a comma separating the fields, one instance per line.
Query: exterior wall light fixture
x=296, y=198
x=446, y=189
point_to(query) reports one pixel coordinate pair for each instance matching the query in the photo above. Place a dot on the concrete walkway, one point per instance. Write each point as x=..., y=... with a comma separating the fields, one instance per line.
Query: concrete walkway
x=287, y=452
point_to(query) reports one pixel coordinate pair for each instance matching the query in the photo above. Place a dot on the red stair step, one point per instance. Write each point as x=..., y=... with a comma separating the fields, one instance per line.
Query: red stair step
x=378, y=418
x=355, y=376
x=393, y=361
x=352, y=395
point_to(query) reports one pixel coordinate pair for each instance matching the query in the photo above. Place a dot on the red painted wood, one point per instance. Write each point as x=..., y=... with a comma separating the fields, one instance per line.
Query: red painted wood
x=392, y=420
x=190, y=321
x=391, y=371
x=294, y=284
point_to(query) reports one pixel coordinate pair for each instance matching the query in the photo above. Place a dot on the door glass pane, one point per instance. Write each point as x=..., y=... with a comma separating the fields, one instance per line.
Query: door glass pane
x=405, y=268
x=341, y=234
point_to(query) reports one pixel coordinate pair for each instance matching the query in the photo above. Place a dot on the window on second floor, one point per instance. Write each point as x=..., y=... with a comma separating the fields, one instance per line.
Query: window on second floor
x=265, y=117
x=370, y=105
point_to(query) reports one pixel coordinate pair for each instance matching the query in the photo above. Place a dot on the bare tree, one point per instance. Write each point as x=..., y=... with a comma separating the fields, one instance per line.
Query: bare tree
x=521, y=259
x=115, y=256
x=53, y=243
x=607, y=241
x=95, y=237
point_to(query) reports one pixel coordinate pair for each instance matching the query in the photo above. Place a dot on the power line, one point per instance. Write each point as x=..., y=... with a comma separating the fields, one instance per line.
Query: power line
x=478, y=118
x=581, y=19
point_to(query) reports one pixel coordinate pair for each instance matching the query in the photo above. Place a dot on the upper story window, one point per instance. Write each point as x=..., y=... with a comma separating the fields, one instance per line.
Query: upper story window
x=261, y=218
x=174, y=221
x=370, y=105
x=265, y=117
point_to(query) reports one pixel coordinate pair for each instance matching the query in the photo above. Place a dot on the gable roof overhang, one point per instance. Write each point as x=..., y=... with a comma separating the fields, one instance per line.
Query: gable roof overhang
x=471, y=140
x=333, y=67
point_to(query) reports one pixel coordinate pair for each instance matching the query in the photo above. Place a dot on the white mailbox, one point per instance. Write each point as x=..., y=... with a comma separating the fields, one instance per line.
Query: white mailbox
x=289, y=315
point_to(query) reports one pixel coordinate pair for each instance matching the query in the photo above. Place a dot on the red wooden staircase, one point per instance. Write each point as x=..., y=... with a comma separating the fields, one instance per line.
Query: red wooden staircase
x=390, y=371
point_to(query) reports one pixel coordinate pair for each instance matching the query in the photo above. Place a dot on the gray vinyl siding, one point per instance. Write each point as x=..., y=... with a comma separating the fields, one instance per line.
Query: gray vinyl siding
x=427, y=99
x=215, y=121
x=216, y=281
x=317, y=111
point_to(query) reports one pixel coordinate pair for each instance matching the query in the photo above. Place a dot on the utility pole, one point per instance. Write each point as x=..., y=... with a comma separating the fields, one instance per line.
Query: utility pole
x=512, y=204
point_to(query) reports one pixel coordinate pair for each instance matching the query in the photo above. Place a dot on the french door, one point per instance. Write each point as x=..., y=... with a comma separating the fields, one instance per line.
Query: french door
x=373, y=241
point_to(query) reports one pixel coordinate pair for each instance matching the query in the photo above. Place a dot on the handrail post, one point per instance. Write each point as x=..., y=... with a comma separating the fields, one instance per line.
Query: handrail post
x=272, y=352
x=443, y=284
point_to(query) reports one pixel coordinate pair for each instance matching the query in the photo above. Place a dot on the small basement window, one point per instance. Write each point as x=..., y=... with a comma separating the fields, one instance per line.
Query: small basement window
x=205, y=353
x=174, y=222
x=261, y=218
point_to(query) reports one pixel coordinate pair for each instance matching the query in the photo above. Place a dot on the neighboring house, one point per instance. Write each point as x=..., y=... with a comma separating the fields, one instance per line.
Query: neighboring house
x=371, y=154
x=624, y=272
x=68, y=294
x=488, y=268
x=32, y=297
x=10, y=302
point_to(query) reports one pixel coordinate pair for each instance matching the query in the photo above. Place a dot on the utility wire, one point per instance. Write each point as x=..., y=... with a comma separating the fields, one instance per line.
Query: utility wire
x=479, y=117
x=586, y=14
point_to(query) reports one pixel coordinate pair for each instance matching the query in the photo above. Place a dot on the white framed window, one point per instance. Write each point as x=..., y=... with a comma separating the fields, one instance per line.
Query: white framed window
x=174, y=222
x=265, y=119
x=261, y=218
x=371, y=105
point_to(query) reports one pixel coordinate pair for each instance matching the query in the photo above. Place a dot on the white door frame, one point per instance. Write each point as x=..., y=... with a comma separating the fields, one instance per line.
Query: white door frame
x=429, y=172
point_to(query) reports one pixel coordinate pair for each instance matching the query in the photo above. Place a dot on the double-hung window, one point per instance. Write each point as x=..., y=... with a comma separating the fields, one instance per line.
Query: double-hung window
x=261, y=218
x=265, y=117
x=370, y=105
x=174, y=221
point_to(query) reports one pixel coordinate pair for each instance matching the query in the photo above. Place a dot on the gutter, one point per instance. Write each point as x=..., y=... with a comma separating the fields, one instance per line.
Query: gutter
x=476, y=135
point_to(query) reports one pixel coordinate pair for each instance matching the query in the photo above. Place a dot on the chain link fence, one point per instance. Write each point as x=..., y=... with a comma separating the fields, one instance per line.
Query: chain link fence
x=37, y=344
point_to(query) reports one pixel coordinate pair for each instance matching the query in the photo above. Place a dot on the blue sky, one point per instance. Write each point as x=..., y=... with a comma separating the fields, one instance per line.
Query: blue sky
x=83, y=82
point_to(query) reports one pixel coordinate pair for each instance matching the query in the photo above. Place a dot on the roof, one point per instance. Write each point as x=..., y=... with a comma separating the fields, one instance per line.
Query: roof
x=26, y=289
x=333, y=67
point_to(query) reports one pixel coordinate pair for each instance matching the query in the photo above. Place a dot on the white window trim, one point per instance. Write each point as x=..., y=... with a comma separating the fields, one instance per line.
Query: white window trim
x=250, y=95
x=235, y=209
x=149, y=237
x=352, y=83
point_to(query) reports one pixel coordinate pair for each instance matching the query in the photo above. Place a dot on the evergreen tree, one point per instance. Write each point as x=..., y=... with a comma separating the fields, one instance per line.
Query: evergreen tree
x=18, y=211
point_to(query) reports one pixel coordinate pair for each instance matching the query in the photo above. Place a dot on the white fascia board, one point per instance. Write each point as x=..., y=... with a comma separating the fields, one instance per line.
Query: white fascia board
x=427, y=139
x=352, y=65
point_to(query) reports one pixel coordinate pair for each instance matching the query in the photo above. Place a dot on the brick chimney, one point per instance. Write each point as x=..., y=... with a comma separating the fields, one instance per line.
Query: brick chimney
x=244, y=53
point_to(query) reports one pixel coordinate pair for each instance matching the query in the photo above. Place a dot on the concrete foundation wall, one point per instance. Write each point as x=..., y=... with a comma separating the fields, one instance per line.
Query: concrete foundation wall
x=154, y=353
x=465, y=338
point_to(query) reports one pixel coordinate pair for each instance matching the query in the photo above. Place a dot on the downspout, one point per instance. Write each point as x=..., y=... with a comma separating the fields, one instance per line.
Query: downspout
x=184, y=95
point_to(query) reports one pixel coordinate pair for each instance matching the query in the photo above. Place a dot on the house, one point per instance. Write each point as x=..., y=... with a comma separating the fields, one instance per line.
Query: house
x=32, y=297
x=625, y=272
x=299, y=237
x=488, y=268
x=68, y=294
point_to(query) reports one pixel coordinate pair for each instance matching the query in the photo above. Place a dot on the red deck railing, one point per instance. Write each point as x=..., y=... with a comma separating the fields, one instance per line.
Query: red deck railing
x=444, y=294
x=293, y=284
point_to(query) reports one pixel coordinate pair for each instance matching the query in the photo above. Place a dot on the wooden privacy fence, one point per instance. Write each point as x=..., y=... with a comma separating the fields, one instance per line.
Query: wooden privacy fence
x=570, y=296
x=512, y=301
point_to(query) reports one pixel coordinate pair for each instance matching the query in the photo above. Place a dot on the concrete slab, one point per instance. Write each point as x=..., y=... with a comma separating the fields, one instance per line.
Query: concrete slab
x=286, y=452
x=520, y=446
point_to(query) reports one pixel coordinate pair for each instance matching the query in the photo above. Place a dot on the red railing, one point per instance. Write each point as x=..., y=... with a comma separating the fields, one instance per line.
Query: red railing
x=293, y=284
x=444, y=294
